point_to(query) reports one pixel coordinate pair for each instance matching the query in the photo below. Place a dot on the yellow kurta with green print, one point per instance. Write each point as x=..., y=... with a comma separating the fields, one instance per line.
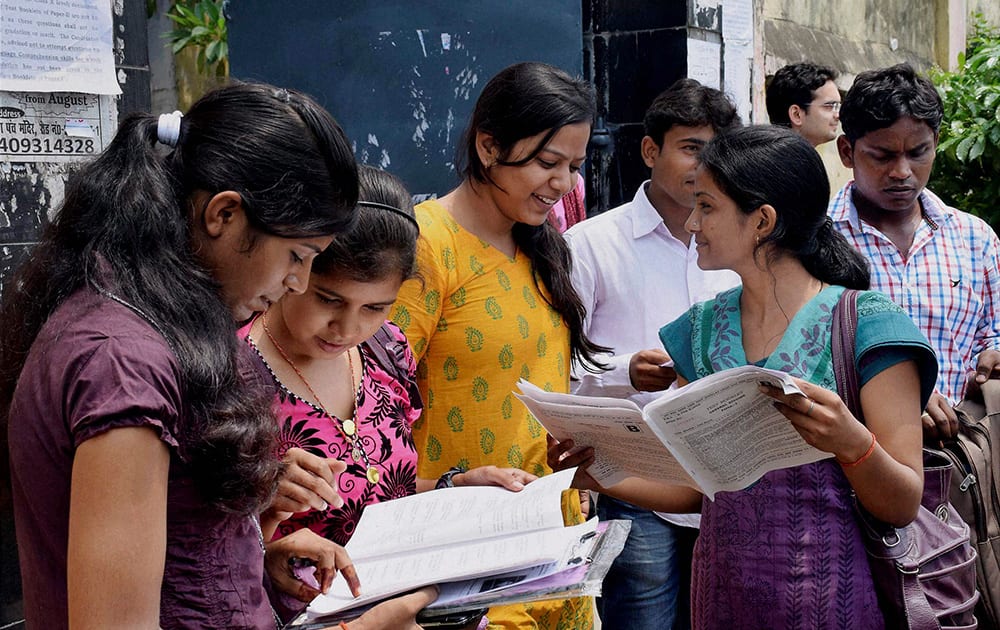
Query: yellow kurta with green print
x=476, y=324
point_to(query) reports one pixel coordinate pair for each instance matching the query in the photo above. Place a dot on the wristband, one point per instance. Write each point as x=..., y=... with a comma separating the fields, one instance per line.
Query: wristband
x=446, y=480
x=868, y=453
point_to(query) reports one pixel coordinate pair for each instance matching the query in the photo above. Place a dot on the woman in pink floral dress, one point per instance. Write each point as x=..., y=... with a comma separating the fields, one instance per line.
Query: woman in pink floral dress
x=346, y=377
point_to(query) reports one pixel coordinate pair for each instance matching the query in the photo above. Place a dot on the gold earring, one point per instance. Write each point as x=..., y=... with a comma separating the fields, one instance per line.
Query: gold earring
x=756, y=239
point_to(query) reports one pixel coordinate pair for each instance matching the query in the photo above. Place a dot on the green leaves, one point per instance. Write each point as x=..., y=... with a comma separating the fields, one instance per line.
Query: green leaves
x=967, y=170
x=201, y=24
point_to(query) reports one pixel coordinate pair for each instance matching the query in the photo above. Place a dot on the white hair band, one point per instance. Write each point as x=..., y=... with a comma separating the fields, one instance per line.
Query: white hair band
x=168, y=128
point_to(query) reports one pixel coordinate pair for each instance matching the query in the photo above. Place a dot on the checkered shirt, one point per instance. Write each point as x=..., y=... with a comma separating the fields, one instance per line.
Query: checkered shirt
x=948, y=285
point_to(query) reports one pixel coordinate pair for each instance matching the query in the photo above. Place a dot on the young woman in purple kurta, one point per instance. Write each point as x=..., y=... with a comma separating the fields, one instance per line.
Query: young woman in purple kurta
x=142, y=444
x=140, y=451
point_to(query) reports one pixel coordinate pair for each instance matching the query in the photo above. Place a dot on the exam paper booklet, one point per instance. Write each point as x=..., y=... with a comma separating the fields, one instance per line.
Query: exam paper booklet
x=718, y=433
x=485, y=539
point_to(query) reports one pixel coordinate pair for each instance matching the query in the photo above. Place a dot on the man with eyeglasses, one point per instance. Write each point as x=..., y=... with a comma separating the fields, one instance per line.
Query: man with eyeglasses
x=803, y=97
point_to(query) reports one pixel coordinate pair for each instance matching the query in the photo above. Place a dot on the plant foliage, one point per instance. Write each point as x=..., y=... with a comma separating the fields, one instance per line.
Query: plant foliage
x=201, y=24
x=967, y=170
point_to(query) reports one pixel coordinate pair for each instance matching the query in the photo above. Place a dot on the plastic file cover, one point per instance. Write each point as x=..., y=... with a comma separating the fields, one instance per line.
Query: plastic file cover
x=583, y=580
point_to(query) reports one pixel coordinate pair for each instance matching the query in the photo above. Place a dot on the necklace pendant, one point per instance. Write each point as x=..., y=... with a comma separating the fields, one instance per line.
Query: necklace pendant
x=372, y=475
x=349, y=427
x=357, y=455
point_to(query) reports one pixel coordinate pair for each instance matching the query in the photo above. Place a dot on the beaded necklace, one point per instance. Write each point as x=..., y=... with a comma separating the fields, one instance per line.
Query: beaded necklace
x=348, y=428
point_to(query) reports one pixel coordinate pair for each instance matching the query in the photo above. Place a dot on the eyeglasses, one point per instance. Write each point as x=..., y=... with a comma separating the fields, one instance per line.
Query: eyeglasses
x=833, y=106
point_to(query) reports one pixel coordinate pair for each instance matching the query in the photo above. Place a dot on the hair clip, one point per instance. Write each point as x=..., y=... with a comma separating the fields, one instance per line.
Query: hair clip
x=168, y=128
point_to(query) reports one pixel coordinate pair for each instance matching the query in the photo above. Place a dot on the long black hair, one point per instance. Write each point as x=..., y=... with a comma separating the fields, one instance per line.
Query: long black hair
x=521, y=101
x=383, y=240
x=124, y=230
x=767, y=164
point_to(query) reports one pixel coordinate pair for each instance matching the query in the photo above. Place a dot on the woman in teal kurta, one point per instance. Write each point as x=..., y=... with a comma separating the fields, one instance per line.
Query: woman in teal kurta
x=786, y=552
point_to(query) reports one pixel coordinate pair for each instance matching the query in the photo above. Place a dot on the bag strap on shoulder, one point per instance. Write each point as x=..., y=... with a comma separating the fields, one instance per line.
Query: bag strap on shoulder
x=389, y=354
x=844, y=331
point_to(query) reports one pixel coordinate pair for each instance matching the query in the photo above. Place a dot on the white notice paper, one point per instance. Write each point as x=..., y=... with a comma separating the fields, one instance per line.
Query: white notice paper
x=57, y=46
x=704, y=62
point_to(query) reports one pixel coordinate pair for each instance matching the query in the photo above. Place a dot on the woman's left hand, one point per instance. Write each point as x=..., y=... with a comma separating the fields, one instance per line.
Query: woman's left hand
x=327, y=557
x=513, y=479
x=823, y=420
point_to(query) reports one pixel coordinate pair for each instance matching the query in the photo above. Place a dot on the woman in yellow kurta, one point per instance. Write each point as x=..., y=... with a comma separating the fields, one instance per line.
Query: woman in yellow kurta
x=495, y=303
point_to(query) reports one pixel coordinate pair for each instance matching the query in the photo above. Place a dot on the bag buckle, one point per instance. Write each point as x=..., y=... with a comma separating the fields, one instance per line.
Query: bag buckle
x=892, y=538
x=967, y=482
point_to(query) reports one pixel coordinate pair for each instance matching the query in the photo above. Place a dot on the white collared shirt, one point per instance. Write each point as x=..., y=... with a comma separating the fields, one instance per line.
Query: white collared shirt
x=634, y=277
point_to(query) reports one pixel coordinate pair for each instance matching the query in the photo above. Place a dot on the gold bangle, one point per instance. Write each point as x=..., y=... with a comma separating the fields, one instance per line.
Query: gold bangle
x=868, y=453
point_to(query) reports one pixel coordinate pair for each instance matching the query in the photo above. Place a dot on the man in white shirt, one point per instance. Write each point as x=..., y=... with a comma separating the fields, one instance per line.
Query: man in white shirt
x=636, y=269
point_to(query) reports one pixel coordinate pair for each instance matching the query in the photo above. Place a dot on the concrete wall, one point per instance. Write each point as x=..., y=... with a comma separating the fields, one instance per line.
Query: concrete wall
x=989, y=8
x=852, y=36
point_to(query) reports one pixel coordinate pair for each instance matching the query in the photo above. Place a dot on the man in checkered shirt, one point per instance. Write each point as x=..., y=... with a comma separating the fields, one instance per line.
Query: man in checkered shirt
x=940, y=264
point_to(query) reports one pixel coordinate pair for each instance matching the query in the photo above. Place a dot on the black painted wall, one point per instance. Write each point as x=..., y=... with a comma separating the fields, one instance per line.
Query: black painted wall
x=404, y=98
x=400, y=76
x=633, y=51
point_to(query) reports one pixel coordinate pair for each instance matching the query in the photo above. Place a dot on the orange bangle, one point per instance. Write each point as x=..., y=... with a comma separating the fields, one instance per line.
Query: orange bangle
x=868, y=453
x=343, y=626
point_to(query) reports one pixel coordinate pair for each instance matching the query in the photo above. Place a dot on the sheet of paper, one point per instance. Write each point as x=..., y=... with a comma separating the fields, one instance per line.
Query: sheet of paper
x=726, y=433
x=704, y=62
x=447, y=516
x=737, y=55
x=384, y=576
x=57, y=46
x=716, y=433
x=534, y=392
x=737, y=21
x=624, y=445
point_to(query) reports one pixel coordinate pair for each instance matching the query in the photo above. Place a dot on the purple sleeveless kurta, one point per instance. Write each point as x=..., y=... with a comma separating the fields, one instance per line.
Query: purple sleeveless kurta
x=785, y=553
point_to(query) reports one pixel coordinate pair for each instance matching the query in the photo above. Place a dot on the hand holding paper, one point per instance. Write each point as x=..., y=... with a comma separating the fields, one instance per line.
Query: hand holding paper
x=651, y=370
x=717, y=433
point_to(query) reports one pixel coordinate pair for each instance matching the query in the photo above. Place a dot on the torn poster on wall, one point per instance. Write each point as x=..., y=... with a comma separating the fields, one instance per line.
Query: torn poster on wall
x=54, y=126
x=57, y=45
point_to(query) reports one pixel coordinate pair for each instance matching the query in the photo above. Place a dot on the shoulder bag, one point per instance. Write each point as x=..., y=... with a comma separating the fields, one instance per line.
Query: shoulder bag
x=925, y=572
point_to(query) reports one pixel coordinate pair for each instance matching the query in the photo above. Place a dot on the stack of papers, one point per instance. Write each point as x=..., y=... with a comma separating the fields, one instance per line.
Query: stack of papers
x=481, y=544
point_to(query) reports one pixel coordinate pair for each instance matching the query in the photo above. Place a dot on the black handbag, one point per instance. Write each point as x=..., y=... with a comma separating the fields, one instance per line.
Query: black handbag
x=924, y=573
